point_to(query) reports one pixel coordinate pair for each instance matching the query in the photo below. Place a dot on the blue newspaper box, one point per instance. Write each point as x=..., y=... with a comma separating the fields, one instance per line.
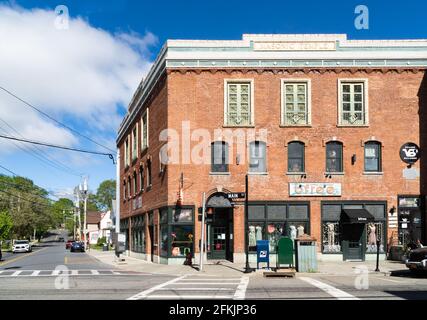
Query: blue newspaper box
x=263, y=252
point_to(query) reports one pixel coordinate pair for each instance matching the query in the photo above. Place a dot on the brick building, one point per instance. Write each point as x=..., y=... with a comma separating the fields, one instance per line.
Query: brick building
x=316, y=121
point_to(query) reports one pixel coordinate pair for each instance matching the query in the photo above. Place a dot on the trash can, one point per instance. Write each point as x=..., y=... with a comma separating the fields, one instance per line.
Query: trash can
x=105, y=247
x=306, y=255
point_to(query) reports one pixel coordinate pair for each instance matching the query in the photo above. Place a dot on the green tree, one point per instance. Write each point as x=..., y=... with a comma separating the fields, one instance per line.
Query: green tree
x=105, y=194
x=61, y=210
x=6, y=225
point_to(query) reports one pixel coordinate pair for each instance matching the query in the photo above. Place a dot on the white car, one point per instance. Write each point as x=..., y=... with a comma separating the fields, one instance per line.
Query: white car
x=21, y=246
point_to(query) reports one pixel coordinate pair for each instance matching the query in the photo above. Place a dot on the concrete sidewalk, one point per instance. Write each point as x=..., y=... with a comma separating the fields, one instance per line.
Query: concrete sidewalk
x=227, y=269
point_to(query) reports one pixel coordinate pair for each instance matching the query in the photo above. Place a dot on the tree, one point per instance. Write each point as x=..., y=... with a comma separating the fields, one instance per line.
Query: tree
x=61, y=210
x=6, y=225
x=105, y=194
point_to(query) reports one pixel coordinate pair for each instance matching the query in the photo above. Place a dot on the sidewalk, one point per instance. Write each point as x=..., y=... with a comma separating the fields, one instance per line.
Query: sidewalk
x=227, y=269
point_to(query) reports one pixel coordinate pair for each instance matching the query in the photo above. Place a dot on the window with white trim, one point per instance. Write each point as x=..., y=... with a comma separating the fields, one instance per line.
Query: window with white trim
x=127, y=155
x=295, y=106
x=144, y=130
x=372, y=156
x=238, y=105
x=352, y=103
x=135, y=143
x=257, y=157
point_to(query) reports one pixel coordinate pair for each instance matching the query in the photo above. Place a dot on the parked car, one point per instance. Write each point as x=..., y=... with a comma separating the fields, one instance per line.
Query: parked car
x=21, y=246
x=61, y=239
x=417, y=260
x=77, y=246
x=68, y=244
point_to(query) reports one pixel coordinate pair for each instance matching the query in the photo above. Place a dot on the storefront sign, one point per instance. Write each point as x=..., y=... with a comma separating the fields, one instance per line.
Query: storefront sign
x=409, y=153
x=314, y=189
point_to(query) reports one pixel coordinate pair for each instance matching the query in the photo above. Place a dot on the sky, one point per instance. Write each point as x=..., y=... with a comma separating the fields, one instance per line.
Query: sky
x=85, y=75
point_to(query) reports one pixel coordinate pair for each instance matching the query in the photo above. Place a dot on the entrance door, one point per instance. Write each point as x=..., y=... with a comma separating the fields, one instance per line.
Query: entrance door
x=220, y=235
x=354, y=243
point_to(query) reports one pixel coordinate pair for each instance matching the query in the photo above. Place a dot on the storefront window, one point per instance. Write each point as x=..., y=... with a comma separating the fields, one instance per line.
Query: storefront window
x=256, y=232
x=164, y=240
x=274, y=233
x=331, y=237
x=181, y=240
x=182, y=215
x=374, y=231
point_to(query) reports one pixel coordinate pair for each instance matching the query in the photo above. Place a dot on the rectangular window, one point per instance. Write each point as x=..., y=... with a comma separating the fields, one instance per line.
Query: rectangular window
x=296, y=157
x=257, y=157
x=238, y=104
x=144, y=130
x=127, y=156
x=135, y=143
x=141, y=178
x=372, y=157
x=334, y=157
x=352, y=103
x=219, y=157
x=295, y=105
x=149, y=181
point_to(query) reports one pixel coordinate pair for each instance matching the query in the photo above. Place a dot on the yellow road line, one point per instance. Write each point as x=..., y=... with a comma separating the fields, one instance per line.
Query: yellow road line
x=65, y=260
x=21, y=257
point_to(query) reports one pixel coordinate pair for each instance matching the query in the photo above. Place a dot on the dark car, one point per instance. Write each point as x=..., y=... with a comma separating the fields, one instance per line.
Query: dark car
x=417, y=260
x=77, y=247
x=68, y=244
x=61, y=239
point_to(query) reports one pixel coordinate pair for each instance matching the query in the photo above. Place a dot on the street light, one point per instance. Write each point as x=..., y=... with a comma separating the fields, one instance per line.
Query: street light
x=83, y=193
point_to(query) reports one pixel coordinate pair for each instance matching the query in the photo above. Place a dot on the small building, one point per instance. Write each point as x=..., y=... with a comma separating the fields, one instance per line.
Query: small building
x=93, y=225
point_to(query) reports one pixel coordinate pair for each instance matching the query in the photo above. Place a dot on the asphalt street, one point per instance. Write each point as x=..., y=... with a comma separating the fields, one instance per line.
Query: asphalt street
x=50, y=272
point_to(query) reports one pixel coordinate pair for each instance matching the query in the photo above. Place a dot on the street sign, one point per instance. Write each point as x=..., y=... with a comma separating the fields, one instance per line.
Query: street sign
x=236, y=195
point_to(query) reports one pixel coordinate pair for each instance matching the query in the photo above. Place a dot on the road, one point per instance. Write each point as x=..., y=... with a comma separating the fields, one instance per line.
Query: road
x=39, y=275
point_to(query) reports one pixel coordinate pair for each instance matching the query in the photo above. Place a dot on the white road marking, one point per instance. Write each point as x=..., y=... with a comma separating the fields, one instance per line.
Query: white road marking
x=195, y=289
x=218, y=279
x=56, y=272
x=241, y=289
x=35, y=273
x=74, y=272
x=204, y=283
x=188, y=297
x=144, y=293
x=15, y=274
x=95, y=272
x=1, y=271
x=337, y=293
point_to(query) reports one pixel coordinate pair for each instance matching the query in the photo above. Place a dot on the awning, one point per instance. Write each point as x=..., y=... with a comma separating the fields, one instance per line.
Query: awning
x=356, y=216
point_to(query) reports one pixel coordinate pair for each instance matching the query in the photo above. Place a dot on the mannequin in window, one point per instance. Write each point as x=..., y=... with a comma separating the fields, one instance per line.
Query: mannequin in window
x=293, y=232
x=372, y=240
x=300, y=231
x=331, y=234
x=258, y=233
x=252, y=236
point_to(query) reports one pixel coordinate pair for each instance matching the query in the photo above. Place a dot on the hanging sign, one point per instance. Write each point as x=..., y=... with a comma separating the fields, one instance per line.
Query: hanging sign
x=409, y=153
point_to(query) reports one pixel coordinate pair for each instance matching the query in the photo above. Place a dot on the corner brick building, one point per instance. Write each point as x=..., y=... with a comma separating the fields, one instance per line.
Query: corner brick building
x=323, y=120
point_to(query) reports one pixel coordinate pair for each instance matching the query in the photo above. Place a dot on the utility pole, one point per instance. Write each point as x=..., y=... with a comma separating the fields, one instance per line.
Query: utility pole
x=84, y=193
x=77, y=205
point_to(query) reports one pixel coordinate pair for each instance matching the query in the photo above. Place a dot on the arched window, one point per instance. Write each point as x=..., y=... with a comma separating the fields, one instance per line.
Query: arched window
x=219, y=156
x=296, y=157
x=334, y=156
x=257, y=157
x=373, y=156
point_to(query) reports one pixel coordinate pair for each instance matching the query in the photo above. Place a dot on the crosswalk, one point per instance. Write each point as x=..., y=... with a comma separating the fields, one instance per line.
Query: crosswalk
x=72, y=273
x=197, y=288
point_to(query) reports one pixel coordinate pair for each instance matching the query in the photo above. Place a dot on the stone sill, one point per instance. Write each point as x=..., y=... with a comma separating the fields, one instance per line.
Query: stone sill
x=367, y=173
x=219, y=173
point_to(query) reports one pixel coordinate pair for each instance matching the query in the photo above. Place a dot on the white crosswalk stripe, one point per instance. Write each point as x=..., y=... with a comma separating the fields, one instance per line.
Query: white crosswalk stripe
x=71, y=273
x=197, y=288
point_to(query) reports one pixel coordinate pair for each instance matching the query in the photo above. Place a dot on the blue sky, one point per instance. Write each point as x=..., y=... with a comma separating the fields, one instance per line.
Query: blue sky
x=150, y=23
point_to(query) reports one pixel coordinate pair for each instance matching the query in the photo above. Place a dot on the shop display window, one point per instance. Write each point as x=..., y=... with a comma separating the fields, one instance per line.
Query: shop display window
x=331, y=237
x=181, y=240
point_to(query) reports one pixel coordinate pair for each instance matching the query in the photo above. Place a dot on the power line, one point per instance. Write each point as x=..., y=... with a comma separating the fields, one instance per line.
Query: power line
x=57, y=146
x=53, y=119
x=37, y=155
x=31, y=201
x=52, y=162
x=4, y=168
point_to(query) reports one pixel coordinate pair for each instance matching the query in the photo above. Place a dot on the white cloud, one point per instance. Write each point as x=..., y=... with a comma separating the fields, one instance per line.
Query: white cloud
x=82, y=73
